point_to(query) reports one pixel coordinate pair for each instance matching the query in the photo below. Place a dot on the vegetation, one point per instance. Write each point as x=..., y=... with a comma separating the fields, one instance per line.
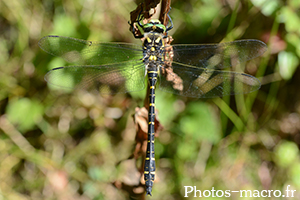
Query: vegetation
x=57, y=144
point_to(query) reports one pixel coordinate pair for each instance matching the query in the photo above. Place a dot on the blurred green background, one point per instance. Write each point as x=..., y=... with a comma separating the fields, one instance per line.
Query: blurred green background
x=67, y=145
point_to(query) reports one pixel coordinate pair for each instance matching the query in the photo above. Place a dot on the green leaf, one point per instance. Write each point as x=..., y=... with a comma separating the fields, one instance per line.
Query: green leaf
x=288, y=63
x=200, y=123
x=286, y=153
x=267, y=7
x=166, y=105
x=295, y=174
x=64, y=25
x=290, y=18
x=25, y=113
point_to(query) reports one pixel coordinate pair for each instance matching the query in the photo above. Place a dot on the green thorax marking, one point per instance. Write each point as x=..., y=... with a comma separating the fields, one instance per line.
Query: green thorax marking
x=154, y=26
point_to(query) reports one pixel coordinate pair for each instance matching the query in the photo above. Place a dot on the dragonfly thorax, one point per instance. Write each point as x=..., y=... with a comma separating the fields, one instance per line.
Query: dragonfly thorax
x=153, y=51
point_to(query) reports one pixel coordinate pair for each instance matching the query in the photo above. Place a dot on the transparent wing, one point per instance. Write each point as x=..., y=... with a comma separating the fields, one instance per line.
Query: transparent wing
x=205, y=83
x=84, y=52
x=107, y=79
x=215, y=56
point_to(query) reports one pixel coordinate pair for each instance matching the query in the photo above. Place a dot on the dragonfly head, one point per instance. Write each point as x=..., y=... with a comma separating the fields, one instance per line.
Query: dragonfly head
x=155, y=26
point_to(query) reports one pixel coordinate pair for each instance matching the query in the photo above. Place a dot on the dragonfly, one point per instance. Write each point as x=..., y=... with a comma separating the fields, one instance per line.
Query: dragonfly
x=191, y=70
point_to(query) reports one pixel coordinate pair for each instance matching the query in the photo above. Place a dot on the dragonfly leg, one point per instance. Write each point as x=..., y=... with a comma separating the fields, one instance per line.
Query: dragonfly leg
x=171, y=22
x=139, y=18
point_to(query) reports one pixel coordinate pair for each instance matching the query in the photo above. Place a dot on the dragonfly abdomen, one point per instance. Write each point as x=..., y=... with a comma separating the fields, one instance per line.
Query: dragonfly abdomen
x=149, y=170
